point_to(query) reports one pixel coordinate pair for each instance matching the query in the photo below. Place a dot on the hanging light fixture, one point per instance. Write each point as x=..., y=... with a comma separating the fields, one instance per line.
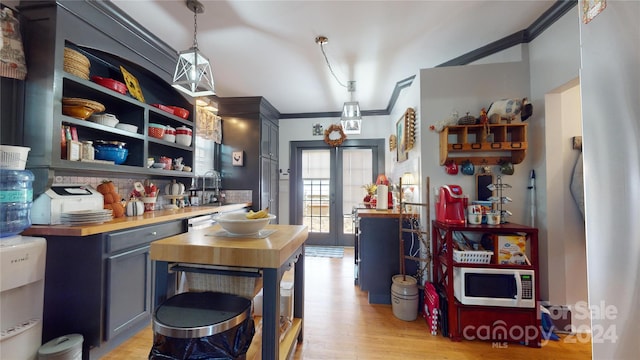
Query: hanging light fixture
x=351, y=116
x=193, y=74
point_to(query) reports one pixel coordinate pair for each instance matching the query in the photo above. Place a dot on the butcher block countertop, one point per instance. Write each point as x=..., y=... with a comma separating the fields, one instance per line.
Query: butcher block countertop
x=201, y=247
x=148, y=218
x=375, y=213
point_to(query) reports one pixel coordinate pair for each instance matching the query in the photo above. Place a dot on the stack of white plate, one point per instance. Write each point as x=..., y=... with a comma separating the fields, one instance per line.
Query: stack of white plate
x=81, y=217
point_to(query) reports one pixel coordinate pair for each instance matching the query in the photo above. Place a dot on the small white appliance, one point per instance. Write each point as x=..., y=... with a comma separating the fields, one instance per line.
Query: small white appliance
x=22, y=265
x=495, y=287
x=61, y=198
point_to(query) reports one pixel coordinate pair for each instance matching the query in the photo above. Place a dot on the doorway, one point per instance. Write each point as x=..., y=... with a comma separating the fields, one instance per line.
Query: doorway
x=326, y=186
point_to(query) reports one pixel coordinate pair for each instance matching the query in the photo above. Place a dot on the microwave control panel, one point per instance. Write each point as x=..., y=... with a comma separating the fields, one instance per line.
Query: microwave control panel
x=527, y=286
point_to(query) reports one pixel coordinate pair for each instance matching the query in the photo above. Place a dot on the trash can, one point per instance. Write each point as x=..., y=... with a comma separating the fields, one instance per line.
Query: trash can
x=202, y=325
x=67, y=347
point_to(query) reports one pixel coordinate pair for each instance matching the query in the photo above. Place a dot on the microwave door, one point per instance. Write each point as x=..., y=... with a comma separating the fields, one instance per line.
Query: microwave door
x=498, y=289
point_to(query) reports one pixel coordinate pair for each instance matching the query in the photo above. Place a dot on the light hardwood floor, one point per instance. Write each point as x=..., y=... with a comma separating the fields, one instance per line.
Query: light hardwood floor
x=340, y=324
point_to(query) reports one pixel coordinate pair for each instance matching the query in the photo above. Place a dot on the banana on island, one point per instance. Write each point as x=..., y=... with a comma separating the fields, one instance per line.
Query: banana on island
x=258, y=214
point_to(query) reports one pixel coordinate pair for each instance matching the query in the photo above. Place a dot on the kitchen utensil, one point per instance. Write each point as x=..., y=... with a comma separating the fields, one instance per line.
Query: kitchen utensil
x=166, y=161
x=94, y=105
x=156, y=130
x=238, y=224
x=163, y=108
x=474, y=214
x=179, y=112
x=468, y=168
x=184, y=136
x=112, y=84
x=506, y=168
x=169, y=134
x=127, y=127
x=451, y=168
x=77, y=111
x=493, y=218
x=112, y=153
x=104, y=119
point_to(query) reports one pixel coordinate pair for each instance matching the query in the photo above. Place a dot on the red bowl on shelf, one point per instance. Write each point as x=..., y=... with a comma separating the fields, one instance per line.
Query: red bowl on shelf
x=179, y=112
x=163, y=108
x=112, y=84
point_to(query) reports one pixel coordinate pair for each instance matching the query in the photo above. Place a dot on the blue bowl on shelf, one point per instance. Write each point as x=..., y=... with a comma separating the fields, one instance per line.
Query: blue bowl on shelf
x=112, y=153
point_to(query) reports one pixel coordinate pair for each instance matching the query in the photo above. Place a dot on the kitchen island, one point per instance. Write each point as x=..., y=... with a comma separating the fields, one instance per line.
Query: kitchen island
x=98, y=277
x=273, y=255
x=377, y=250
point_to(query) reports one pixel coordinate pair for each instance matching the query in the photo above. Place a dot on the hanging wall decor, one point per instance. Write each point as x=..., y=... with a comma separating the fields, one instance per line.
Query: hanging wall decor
x=132, y=84
x=334, y=135
x=393, y=142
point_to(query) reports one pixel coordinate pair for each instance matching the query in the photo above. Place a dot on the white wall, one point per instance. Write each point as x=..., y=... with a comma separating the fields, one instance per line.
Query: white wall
x=554, y=61
x=468, y=89
x=409, y=98
x=610, y=87
x=566, y=253
x=373, y=127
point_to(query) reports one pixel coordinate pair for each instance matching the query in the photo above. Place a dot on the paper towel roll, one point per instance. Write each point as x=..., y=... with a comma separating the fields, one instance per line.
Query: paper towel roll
x=382, y=198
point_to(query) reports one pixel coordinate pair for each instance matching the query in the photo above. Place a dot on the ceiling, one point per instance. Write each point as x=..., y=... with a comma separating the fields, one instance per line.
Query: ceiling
x=268, y=48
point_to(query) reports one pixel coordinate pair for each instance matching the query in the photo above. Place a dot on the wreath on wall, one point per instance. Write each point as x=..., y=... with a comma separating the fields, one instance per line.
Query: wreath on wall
x=334, y=135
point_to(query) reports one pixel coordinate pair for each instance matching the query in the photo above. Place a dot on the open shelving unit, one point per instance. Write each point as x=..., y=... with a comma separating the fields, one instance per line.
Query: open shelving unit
x=489, y=144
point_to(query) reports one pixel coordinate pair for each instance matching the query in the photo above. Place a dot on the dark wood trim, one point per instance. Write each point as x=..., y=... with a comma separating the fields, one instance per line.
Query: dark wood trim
x=548, y=18
x=489, y=49
x=400, y=85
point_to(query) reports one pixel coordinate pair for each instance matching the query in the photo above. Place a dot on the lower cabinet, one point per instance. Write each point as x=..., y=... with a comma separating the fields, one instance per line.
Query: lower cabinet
x=99, y=286
x=128, y=290
x=379, y=257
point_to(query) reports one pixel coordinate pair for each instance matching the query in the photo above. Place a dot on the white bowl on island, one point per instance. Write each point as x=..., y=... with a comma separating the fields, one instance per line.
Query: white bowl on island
x=237, y=223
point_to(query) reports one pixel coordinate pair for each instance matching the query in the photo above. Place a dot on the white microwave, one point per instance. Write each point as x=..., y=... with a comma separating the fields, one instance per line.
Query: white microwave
x=495, y=287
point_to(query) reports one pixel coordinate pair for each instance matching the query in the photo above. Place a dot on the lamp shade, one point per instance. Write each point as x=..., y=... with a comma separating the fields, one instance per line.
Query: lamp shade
x=408, y=179
x=351, y=111
x=193, y=74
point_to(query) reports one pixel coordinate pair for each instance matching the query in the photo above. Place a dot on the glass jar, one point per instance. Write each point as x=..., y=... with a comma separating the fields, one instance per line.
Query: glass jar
x=88, y=152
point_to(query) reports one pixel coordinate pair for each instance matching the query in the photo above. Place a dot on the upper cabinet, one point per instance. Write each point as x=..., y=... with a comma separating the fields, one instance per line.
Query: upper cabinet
x=489, y=144
x=110, y=45
x=250, y=125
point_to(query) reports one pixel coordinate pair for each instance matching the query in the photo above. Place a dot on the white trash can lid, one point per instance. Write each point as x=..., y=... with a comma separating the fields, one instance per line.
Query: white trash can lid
x=61, y=345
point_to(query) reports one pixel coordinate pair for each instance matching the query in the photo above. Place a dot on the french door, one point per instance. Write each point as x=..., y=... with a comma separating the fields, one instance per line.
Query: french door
x=326, y=185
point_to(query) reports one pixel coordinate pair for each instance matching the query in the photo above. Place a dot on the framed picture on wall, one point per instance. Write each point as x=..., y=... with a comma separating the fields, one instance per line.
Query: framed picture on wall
x=401, y=138
x=237, y=158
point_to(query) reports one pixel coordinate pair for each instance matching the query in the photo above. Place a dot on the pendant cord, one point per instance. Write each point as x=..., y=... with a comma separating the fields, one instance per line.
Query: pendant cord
x=330, y=68
x=195, y=29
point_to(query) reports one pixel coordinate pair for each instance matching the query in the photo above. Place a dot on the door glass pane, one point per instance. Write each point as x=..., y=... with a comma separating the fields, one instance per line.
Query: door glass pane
x=357, y=170
x=316, y=180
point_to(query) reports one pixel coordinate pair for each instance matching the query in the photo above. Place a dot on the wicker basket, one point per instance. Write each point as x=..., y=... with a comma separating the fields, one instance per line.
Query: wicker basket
x=76, y=64
x=473, y=257
x=93, y=105
x=238, y=285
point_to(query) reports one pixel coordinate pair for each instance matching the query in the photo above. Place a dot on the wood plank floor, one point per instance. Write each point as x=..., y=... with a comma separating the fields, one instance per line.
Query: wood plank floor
x=340, y=324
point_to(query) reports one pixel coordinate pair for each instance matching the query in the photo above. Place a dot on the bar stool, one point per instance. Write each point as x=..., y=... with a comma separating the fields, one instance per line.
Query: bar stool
x=202, y=325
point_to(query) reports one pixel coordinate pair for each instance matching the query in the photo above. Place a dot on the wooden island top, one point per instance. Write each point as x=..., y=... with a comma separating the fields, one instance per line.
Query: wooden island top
x=201, y=247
